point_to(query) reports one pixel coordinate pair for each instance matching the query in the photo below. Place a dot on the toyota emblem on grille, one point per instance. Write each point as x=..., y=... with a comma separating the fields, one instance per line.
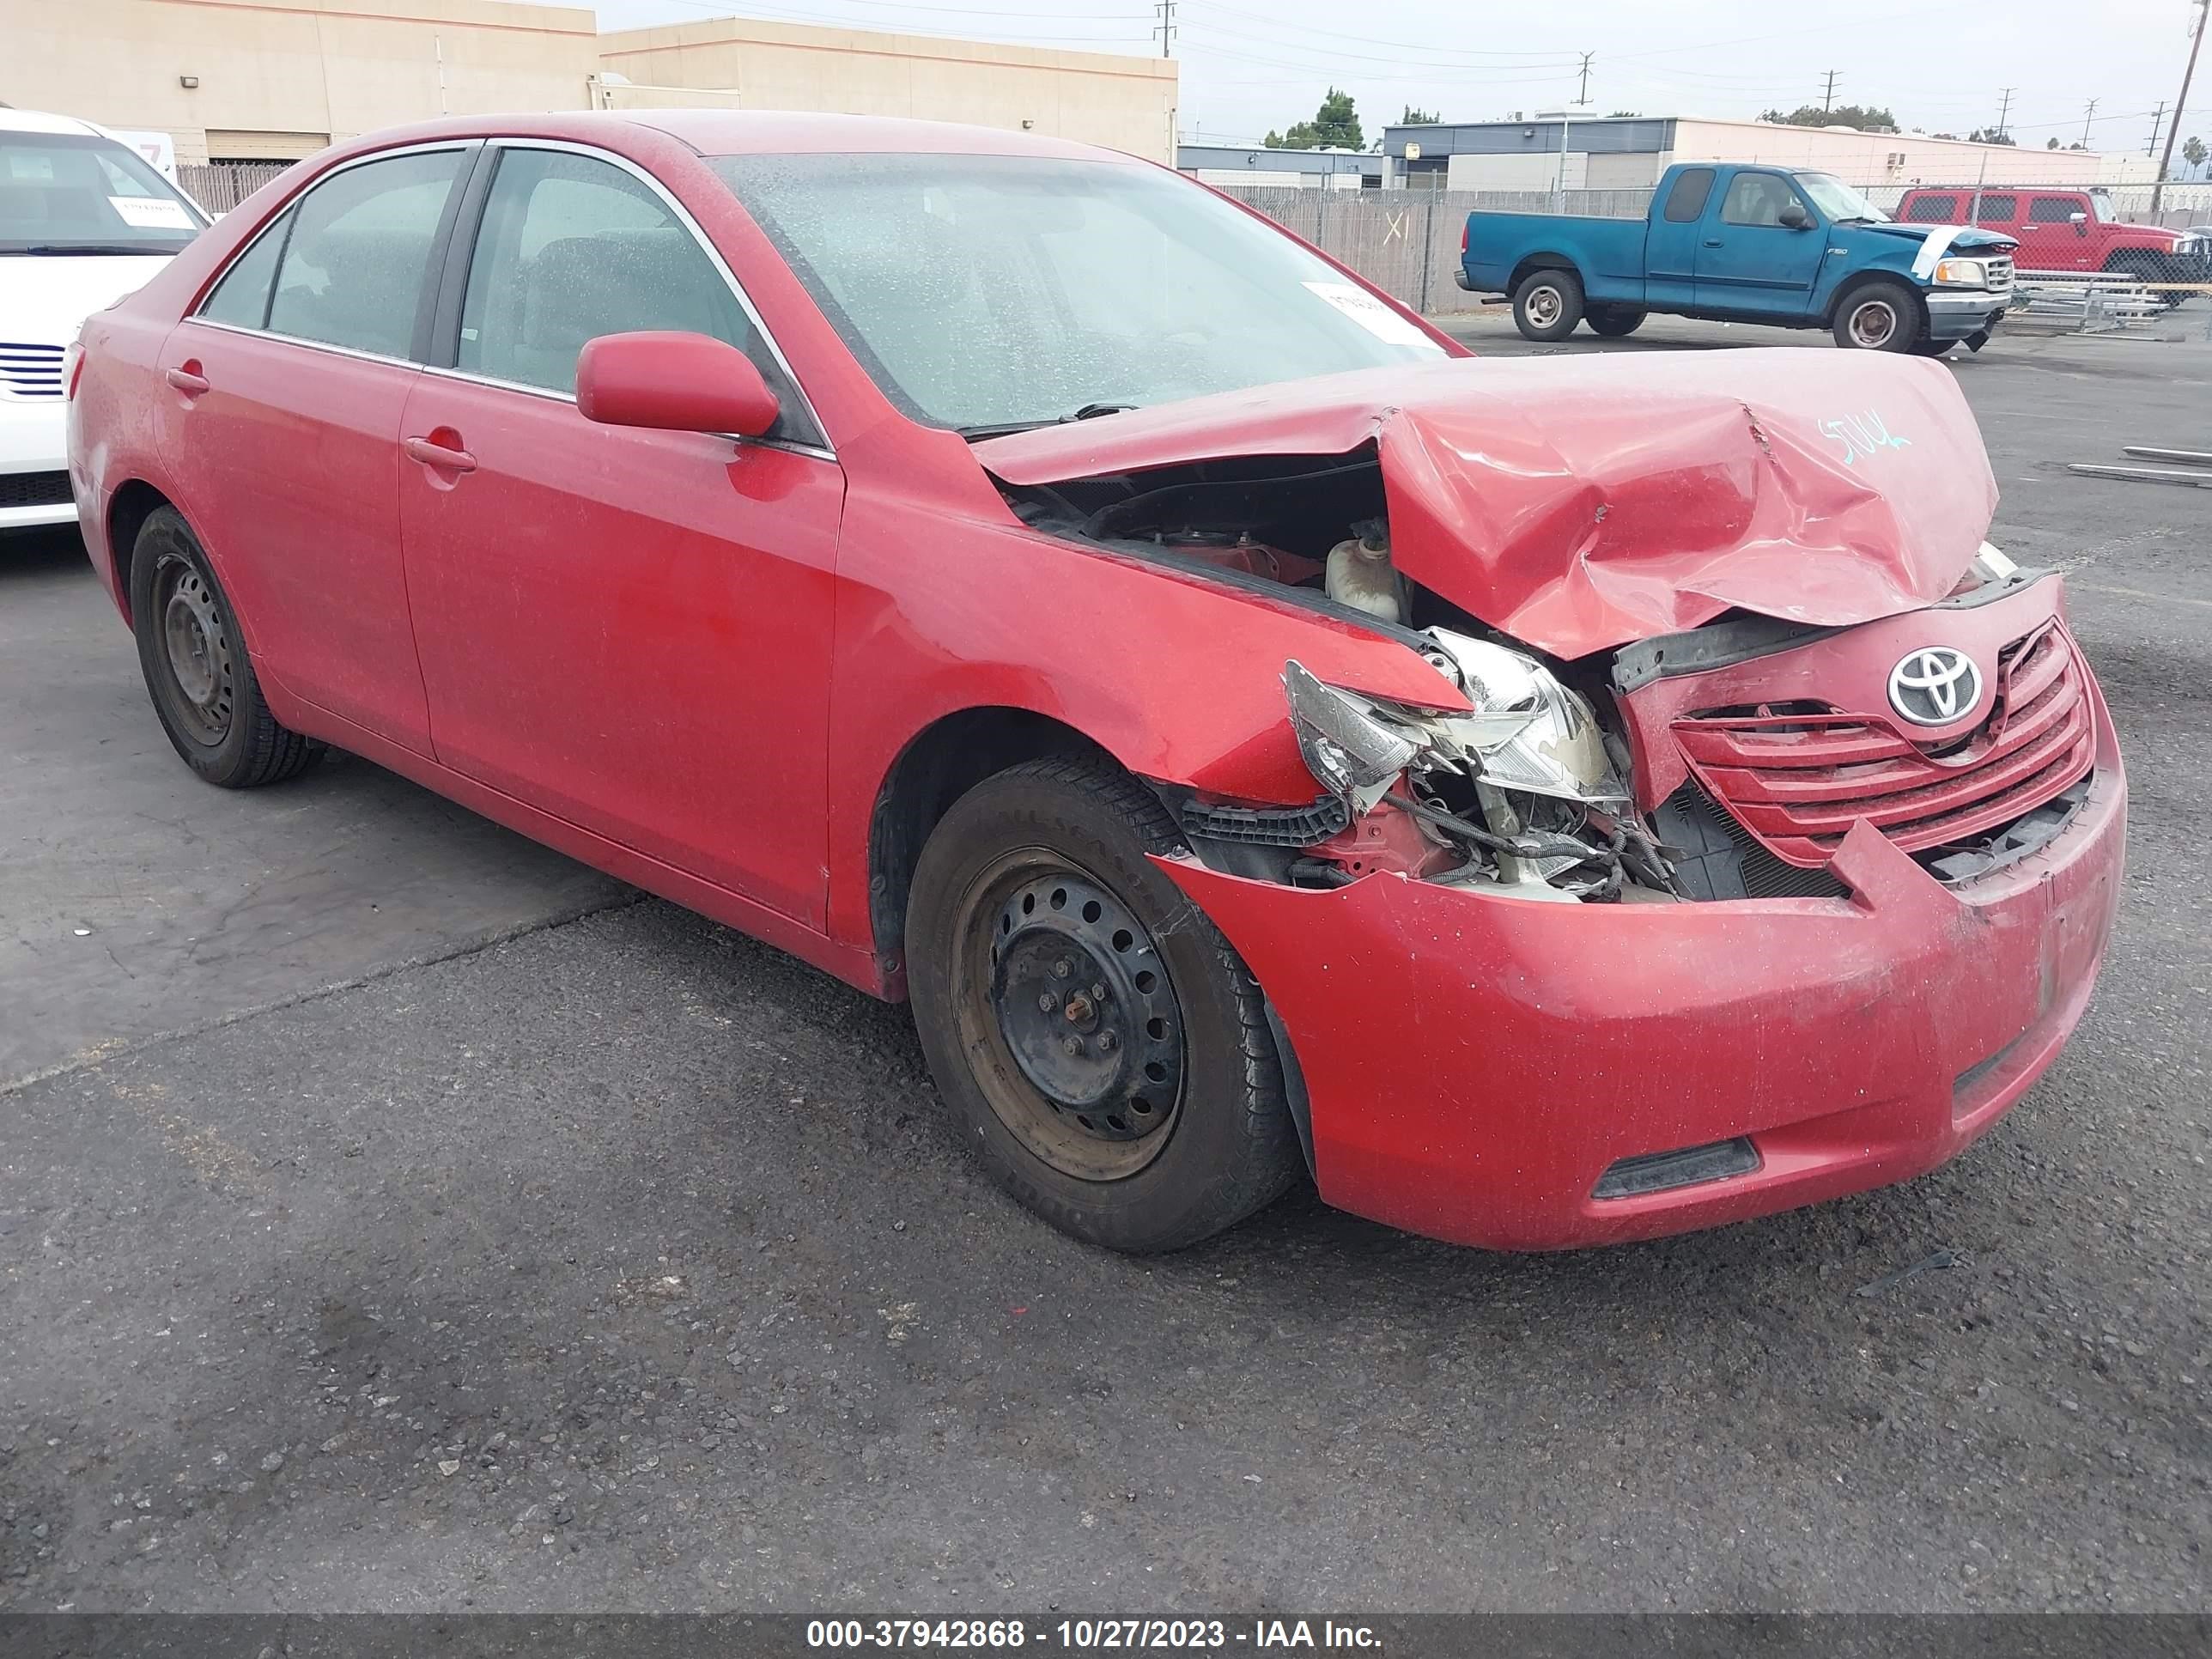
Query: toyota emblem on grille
x=1934, y=685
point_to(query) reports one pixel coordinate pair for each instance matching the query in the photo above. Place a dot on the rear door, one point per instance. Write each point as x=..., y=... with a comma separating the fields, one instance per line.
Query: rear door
x=1671, y=238
x=2049, y=238
x=286, y=389
x=628, y=629
x=1748, y=260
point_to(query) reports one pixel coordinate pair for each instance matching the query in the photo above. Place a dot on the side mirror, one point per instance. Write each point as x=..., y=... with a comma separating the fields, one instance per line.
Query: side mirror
x=672, y=382
x=2080, y=221
x=1793, y=215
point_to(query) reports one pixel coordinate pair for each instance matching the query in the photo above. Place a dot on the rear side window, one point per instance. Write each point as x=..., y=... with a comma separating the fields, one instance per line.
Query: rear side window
x=357, y=263
x=242, y=297
x=1932, y=211
x=1687, y=199
x=1998, y=210
x=572, y=248
x=2052, y=209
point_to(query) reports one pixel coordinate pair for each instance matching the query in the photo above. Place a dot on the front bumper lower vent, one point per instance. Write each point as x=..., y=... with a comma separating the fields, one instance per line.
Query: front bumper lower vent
x=1685, y=1166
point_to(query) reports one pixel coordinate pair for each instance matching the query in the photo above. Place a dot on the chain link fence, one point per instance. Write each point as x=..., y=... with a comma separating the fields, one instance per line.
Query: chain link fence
x=223, y=185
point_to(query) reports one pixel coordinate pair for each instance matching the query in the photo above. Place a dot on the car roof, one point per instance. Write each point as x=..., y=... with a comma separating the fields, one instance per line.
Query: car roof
x=34, y=120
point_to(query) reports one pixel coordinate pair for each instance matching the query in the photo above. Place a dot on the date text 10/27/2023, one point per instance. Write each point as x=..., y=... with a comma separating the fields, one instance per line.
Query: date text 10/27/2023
x=1092, y=1635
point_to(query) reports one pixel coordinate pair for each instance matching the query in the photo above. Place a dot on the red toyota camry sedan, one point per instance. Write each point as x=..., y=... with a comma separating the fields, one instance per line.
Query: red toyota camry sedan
x=1551, y=802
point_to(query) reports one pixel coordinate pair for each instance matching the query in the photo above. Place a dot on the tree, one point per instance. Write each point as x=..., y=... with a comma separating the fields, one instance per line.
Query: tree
x=1866, y=119
x=1952, y=136
x=1990, y=136
x=2193, y=151
x=1418, y=118
x=1624, y=114
x=1335, y=125
x=2051, y=143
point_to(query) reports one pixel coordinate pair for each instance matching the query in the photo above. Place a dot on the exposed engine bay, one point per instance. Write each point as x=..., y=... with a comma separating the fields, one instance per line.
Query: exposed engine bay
x=1530, y=793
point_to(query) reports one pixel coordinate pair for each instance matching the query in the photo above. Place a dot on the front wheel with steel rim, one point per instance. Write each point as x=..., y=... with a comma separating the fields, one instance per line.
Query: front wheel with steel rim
x=195, y=666
x=1878, y=317
x=1099, y=1041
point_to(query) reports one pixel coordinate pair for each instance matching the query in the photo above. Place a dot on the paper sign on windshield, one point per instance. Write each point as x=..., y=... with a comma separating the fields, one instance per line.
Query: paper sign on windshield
x=151, y=213
x=1370, y=313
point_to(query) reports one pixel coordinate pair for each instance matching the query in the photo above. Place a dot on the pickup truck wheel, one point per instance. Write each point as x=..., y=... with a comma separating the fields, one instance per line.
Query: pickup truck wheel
x=1614, y=321
x=1878, y=317
x=1547, y=305
x=2147, y=267
x=1103, y=1048
x=197, y=669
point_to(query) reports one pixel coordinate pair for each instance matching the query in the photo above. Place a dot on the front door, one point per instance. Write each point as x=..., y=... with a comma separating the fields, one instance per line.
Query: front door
x=2051, y=240
x=1751, y=262
x=628, y=629
x=287, y=387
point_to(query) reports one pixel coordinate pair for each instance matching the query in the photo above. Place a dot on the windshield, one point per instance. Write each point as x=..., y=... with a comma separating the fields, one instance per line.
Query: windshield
x=989, y=293
x=1837, y=199
x=76, y=192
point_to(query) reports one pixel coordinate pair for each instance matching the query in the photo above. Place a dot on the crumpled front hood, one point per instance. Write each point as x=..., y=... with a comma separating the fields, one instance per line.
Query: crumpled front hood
x=1964, y=239
x=1580, y=502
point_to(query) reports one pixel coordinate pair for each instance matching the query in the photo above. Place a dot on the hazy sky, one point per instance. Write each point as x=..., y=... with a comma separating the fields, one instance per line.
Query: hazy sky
x=1248, y=65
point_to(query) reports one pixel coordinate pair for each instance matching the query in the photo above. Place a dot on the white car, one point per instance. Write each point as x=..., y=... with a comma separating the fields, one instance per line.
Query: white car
x=83, y=220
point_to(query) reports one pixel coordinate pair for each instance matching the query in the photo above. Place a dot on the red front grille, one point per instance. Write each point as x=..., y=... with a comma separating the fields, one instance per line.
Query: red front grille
x=1799, y=781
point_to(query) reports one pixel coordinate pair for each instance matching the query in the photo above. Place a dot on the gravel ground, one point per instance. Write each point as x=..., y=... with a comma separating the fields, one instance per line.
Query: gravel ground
x=395, y=1216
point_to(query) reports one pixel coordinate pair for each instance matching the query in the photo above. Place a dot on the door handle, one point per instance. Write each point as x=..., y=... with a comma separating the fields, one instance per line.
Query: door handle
x=1713, y=241
x=441, y=456
x=187, y=380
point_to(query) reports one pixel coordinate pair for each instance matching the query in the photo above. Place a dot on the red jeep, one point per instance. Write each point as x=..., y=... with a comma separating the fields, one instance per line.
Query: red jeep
x=2066, y=230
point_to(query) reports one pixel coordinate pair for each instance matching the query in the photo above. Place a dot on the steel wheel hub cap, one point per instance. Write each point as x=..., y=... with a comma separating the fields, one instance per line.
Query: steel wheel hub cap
x=198, y=649
x=1085, y=1008
x=1544, y=306
x=1873, y=322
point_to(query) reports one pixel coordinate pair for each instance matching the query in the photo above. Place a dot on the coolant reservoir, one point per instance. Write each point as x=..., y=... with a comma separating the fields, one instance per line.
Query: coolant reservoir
x=1360, y=573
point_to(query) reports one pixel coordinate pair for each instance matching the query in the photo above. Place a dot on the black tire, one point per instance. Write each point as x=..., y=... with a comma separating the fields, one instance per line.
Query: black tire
x=193, y=656
x=1183, y=1168
x=1547, y=305
x=1614, y=322
x=1878, y=316
x=1932, y=348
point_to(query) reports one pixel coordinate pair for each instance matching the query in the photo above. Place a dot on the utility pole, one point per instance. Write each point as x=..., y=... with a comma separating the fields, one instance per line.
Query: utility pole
x=1583, y=97
x=2004, y=108
x=2157, y=120
x=1165, y=28
x=2087, y=116
x=1828, y=98
x=2165, y=162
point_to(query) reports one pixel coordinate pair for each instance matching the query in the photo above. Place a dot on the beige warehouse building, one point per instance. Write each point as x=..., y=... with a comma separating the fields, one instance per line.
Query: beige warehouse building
x=274, y=80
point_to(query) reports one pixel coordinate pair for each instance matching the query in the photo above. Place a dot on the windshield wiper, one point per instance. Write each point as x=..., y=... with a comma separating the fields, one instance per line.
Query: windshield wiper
x=62, y=250
x=1007, y=428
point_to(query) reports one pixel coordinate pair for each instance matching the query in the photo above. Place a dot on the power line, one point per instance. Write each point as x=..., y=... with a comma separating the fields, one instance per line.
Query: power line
x=2180, y=103
x=1828, y=97
x=2004, y=108
x=2157, y=120
x=1583, y=96
x=1165, y=28
x=2087, y=116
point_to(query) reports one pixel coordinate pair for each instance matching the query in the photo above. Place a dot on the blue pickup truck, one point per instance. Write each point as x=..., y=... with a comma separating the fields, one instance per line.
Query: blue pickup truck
x=1747, y=245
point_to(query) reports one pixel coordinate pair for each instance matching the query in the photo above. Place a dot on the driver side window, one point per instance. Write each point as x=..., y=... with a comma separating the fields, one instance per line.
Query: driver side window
x=1757, y=198
x=572, y=248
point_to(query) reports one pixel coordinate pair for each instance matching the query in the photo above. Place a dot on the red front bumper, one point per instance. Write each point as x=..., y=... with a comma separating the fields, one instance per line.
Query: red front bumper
x=1474, y=1064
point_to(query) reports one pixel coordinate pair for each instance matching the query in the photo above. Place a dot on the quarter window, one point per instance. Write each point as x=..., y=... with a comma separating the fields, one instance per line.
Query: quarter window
x=1932, y=211
x=242, y=297
x=1687, y=199
x=1757, y=198
x=356, y=264
x=572, y=248
x=2052, y=209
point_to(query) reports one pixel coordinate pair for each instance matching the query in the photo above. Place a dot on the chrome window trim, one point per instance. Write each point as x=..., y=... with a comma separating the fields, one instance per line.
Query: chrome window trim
x=705, y=246
x=354, y=352
x=431, y=147
x=819, y=452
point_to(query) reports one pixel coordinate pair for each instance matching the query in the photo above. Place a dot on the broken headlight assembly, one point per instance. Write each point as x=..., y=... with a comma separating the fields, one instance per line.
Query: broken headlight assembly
x=1523, y=787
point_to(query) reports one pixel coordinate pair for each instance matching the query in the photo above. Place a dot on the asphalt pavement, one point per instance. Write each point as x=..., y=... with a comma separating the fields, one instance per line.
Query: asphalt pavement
x=395, y=1215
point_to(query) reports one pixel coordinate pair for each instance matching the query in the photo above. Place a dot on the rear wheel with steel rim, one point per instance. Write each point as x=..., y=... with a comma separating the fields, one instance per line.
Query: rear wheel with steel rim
x=1547, y=305
x=1881, y=316
x=1100, y=1042
x=195, y=666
